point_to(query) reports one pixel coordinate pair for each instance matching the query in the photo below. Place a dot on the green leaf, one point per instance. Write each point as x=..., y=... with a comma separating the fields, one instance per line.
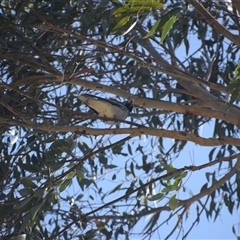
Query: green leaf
x=134, y=8
x=132, y=168
x=110, y=166
x=6, y=210
x=35, y=210
x=173, y=202
x=71, y=175
x=167, y=27
x=170, y=188
x=153, y=29
x=234, y=85
x=40, y=192
x=65, y=184
x=51, y=197
x=24, y=202
x=158, y=196
x=168, y=167
x=186, y=42
x=25, y=223
x=237, y=71
x=137, y=7
x=62, y=145
x=166, y=16
x=116, y=188
x=103, y=159
x=25, y=192
x=234, y=95
x=29, y=167
x=121, y=23
x=204, y=187
x=85, y=183
x=56, y=166
x=120, y=10
x=149, y=3
x=80, y=174
x=129, y=149
x=28, y=183
x=181, y=175
x=162, y=21
x=177, y=183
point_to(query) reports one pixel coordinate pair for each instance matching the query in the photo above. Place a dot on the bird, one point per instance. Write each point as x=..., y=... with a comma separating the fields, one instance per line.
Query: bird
x=108, y=108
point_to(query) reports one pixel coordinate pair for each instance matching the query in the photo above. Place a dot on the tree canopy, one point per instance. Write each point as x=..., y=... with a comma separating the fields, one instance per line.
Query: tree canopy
x=64, y=172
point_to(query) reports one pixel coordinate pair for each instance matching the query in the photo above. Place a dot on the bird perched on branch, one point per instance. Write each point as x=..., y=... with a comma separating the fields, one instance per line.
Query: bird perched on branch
x=108, y=108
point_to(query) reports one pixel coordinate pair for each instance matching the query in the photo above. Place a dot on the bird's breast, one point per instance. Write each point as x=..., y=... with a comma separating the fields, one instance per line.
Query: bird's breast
x=113, y=112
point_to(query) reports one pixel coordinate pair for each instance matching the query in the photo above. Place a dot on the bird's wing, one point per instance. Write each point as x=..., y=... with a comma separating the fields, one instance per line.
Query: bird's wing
x=105, y=107
x=89, y=101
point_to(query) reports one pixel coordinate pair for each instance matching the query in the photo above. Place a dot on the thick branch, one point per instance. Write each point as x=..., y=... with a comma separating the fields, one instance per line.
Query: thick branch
x=198, y=108
x=210, y=190
x=168, y=106
x=189, y=82
x=184, y=136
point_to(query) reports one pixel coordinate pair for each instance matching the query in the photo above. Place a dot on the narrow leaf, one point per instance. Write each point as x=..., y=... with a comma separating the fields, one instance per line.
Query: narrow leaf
x=153, y=29
x=28, y=183
x=65, y=184
x=116, y=188
x=158, y=196
x=167, y=27
x=34, y=210
x=237, y=71
x=173, y=202
x=130, y=28
x=29, y=167
x=25, y=192
x=121, y=23
x=71, y=175
x=24, y=202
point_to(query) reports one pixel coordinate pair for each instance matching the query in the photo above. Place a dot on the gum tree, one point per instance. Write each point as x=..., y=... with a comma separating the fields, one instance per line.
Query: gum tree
x=65, y=174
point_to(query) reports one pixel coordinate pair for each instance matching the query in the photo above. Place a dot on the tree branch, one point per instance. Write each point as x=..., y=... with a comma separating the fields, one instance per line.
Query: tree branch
x=180, y=135
x=150, y=103
x=236, y=4
x=138, y=57
x=15, y=112
x=196, y=220
x=214, y=23
x=174, y=71
x=215, y=185
x=189, y=82
x=185, y=203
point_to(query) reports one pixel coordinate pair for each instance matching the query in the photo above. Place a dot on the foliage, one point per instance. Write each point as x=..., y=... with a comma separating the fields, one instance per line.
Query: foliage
x=64, y=173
